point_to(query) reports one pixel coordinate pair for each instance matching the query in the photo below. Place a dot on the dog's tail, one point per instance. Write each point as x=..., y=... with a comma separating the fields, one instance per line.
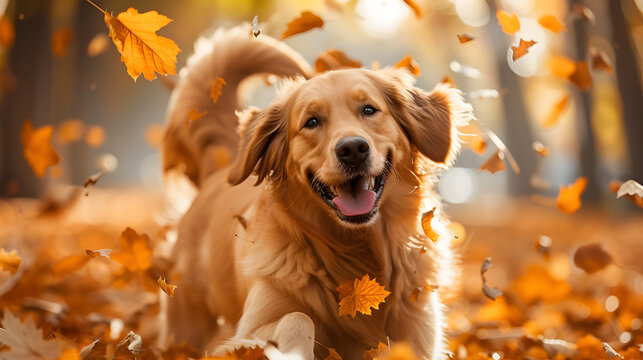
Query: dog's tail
x=199, y=147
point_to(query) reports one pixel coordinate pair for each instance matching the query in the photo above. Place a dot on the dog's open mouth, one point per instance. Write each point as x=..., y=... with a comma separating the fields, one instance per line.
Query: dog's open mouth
x=354, y=201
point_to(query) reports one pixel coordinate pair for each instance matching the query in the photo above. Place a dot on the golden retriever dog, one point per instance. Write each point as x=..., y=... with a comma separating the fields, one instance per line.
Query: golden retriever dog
x=327, y=184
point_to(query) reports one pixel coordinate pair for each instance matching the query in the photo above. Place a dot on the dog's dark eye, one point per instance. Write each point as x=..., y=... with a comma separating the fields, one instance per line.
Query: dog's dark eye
x=368, y=110
x=311, y=123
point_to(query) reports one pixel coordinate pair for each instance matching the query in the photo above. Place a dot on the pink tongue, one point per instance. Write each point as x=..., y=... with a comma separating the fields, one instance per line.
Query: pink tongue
x=352, y=205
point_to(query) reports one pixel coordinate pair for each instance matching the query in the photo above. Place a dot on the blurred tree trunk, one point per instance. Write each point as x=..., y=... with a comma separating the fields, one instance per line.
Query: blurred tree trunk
x=628, y=75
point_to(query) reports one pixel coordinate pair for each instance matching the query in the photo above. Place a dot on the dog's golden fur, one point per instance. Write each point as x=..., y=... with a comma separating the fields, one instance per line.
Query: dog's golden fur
x=262, y=249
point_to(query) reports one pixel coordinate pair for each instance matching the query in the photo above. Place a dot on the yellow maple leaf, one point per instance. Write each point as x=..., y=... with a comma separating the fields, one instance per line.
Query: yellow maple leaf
x=215, y=92
x=360, y=295
x=303, y=23
x=135, y=253
x=426, y=225
x=568, y=200
x=9, y=261
x=141, y=49
x=37, y=149
x=167, y=288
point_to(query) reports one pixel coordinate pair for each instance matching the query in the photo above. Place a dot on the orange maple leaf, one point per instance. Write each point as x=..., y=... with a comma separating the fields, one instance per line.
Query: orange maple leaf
x=410, y=64
x=167, y=288
x=303, y=23
x=568, y=200
x=360, y=295
x=494, y=163
x=426, y=225
x=551, y=23
x=37, y=149
x=522, y=49
x=554, y=113
x=9, y=261
x=135, y=253
x=464, y=38
x=509, y=22
x=141, y=49
x=334, y=59
x=217, y=86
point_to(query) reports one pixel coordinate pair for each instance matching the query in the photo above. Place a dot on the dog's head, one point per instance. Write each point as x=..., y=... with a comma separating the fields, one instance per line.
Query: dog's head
x=349, y=135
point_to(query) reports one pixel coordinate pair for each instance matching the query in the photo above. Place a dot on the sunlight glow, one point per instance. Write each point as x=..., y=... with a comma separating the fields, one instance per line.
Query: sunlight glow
x=381, y=18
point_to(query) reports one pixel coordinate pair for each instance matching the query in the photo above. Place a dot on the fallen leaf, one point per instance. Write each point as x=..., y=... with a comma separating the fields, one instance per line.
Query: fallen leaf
x=522, y=49
x=491, y=293
x=98, y=45
x=561, y=66
x=306, y=21
x=167, y=288
x=142, y=51
x=334, y=59
x=554, y=114
x=410, y=64
x=427, y=217
x=70, y=131
x=399, y=351
x=600, y=61
x=360, y=295
x=9, y=261
x=630, y=187
x=60, y=41
x=584, y=13
x=95, y=136
x=592, y=258
x=540, y=149
x=568, y=200
x=135, y=251
x=25, y=339
x=194, y=115
x=215, y=91
x=7, y=32
x=589, y=348
x=465, y=38
x=246, y=353
x=130, y=347
x=415, y=7
x=371, y=354
x=37, y=149
x=333, y=355
x=255, y=26
x=551, y=23
x=610, y=351
x=494, y=163
x=509, y=22
x=581, y=76
x=94, y=351
x=100, y=252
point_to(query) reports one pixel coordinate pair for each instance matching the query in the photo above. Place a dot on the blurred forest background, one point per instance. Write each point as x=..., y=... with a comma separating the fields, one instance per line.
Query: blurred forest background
x=102, y=119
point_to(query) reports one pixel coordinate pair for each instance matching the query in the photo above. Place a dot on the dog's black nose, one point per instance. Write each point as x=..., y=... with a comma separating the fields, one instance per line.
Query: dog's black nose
x=352, y=150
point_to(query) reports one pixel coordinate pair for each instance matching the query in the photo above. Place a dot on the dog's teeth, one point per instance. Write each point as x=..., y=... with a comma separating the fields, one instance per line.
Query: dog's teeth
x=364, y=183
x=371, y=183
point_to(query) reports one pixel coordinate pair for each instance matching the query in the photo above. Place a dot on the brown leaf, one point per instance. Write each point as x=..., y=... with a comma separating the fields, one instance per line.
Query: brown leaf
x=167, y=288
x=494, y=163
x=360, y=295
x=568, y=200
x=306, y=21
x=610, y=351
x=333, y=355
x=509, y=22
x=217, y=86
x=551, y=23
x=581, y=76
x=415, y=7
x=25, y=339
x=95, y=136
x=194, y=115
x=135, y=252
x=93, y=179
x=9, y=261
x=600, y=61
x=555, y=112
x=522, y=49
x=592, y=258
x=100, y=252
x=255, y=26
x=491, y=293
x=60, y=41
x=427, y=217
x=246, y=353
x=7, y=32
x=37, y=149
x=465, y=38
x=373, y=353
x=334, y=59
x=410, y=64
x=98, y=45
x=129, y=348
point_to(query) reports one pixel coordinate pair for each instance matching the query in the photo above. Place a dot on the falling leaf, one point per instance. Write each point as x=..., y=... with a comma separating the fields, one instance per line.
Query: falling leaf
x=333, y=355
x=100, y=252
x=592, y=258
x=522, y=49
x=630, y=187
x=142, y=51
x=465, y=38
x=600, y=61
x=540, y=149
x=334, y=60
x=410, y=64
x=399, y=351
x=427, y=217
x=60, y=41
x=415, y=7
x=554, y=114
x=25, y=339
x=131, y=345
x=551, y=23
x=306, y=21
x=9, y=261
x=494, y=163
x=215, y=92
x=37, y=149
x=610, y=352
x=478, y=144
x=194, y=114
x=7, y=32
x=70, y=131
x=93, y=179
x=167, y=288
x=98, y=45
x=221, y=156
x=418, y=290
x=501, y=146
x=373, y=353
x=509, y=22
x=581, y=76
x=585, y=13
x=135, y=251
x=95, y=136
x=568, y=200
x=154, y=135
x=561, y=66
x=360, y=295
x=255, y=26
x=491, y=293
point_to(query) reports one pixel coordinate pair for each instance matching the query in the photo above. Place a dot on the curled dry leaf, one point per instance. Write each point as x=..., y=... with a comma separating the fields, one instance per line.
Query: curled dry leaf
x=93, y=179
x=592, y=258
x=610, y=351
x=415, y=7
x=255, y=26
x=100, y=252
x=568, y=200
x=9, y=261
x=131, y=345
x=581, y=76
x=410, y=64
x=95, y=136
x=98, y=45
x=494, y=163
x=142, y=51
x=465, y=38
x=600, y=61
x=334, y=59
x=630, y=187
x=194, y=115
x=60, y=41
x=491, y=293
x=522, y=49
x=215, y=91
x=427, y=217
x=306, y=21
x=554, y=114
x=7, y=32
x=25, y=339
x=167, y=288
x=360, y=295
x=561, y=66
x=37, y=149
x=551, y=23
x=509, y=22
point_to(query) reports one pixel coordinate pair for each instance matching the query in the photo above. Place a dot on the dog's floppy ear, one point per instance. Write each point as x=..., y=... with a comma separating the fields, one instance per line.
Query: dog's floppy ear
x=263, y=145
